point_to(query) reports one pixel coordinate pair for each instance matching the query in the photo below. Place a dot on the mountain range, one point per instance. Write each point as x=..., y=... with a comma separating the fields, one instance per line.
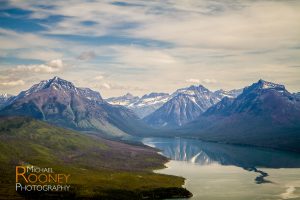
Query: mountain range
x=185, y=105
x=165, y=110
x=142, y=106
x=59, y=102
x=262, y=114
x=265, y=114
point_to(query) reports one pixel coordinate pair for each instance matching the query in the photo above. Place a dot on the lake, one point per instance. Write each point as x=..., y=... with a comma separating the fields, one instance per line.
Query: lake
x=221, y=171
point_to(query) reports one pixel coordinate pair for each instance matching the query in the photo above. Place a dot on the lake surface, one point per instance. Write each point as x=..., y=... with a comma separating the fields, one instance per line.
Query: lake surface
x=220, y=171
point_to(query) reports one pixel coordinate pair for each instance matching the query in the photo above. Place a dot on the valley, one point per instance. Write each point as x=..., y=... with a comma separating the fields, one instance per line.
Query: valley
x=98, y=168
x=150, y=100
x=75, y=131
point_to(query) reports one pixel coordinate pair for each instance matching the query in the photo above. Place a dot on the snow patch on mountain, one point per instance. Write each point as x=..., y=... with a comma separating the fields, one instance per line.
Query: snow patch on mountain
x=142, y=106
x=184, y=105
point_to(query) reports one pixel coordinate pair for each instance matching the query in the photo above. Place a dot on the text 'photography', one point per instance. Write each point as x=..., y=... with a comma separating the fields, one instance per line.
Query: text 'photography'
x=136, y=99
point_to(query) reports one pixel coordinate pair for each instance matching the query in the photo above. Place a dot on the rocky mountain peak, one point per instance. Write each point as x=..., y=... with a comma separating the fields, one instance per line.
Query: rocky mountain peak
x=262, y=84
x=128, y=96
x=59, y=83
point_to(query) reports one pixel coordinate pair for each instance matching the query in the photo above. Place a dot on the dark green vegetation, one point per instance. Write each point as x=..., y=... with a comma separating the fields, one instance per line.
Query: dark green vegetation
x=99, y=168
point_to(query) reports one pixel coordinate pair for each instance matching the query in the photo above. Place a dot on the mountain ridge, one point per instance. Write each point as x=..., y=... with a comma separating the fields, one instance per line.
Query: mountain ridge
x=142, y=106
x=59, y=102
x=265, y=114
x=185, y=105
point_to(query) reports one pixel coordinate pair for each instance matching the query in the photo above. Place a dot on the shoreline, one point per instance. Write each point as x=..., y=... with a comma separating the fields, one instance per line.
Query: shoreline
x=165, y=167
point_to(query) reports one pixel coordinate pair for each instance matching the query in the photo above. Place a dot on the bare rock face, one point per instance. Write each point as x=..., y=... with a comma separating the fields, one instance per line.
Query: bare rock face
x=58, y=101
x=184, y=106
x=265, y=114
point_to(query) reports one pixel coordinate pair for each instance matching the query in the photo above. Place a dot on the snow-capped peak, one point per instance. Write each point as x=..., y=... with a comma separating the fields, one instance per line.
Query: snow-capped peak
x=220, y=94
x=268, y=85
x=124, y=100
x=61, y=86
x=60, y=83
x=143, y=106
x=264, y=85
x=191, y=90
x=56, y=83
x=5, y=96
x=90, y=94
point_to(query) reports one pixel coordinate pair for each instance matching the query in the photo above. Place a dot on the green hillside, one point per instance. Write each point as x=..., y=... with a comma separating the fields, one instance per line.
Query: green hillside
x=99, y=168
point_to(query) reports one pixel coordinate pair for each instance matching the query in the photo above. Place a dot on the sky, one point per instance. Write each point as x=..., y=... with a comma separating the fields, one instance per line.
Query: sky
x=139, y=46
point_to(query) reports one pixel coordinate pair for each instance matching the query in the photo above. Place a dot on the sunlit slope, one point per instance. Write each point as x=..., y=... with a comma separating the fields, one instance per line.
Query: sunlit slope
x=98, y=167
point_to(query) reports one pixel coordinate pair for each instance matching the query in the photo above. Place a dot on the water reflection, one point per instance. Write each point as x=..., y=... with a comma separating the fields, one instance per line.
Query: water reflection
x=206, y=153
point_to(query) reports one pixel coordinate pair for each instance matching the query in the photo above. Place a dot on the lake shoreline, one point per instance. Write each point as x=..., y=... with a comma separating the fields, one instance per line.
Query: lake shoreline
x=215, y=171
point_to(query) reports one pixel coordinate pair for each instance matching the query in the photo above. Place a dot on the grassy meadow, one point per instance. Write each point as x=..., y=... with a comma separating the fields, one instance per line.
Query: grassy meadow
x=99, y=168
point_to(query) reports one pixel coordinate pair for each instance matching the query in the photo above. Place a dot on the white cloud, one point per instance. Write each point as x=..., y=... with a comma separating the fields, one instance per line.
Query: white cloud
x=209, y=81
x=254, y=25
x=192, y=80
x=105, y=86
x=12, y=83
x=39, y=54
x=13, y=40
x=235, y=42
x=50, y=67
x=115, y=86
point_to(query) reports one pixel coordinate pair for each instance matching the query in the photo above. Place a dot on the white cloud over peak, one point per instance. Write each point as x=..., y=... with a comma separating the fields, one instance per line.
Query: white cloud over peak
x=209, y=81
x=105, y=86
x=157, y=44
x=192, y=80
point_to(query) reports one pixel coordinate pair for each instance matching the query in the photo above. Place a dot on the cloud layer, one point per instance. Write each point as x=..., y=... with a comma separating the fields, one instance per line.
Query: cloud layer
x=146, y=46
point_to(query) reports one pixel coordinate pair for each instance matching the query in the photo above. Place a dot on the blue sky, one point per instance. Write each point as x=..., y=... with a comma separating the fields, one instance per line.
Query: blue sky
x=135, y=46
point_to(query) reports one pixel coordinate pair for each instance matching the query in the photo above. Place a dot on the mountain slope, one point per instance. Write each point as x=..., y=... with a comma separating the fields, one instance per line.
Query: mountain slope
x=185, y=105
x=59, y=102
x=265, y=114
x=148, y=103
x=4, y=99
x=220, y=94
x=124, y=100
x=98, y=168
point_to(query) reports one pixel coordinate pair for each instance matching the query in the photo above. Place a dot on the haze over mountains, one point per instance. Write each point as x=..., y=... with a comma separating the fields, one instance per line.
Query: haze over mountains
x=182, y=106
x=263, y=114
